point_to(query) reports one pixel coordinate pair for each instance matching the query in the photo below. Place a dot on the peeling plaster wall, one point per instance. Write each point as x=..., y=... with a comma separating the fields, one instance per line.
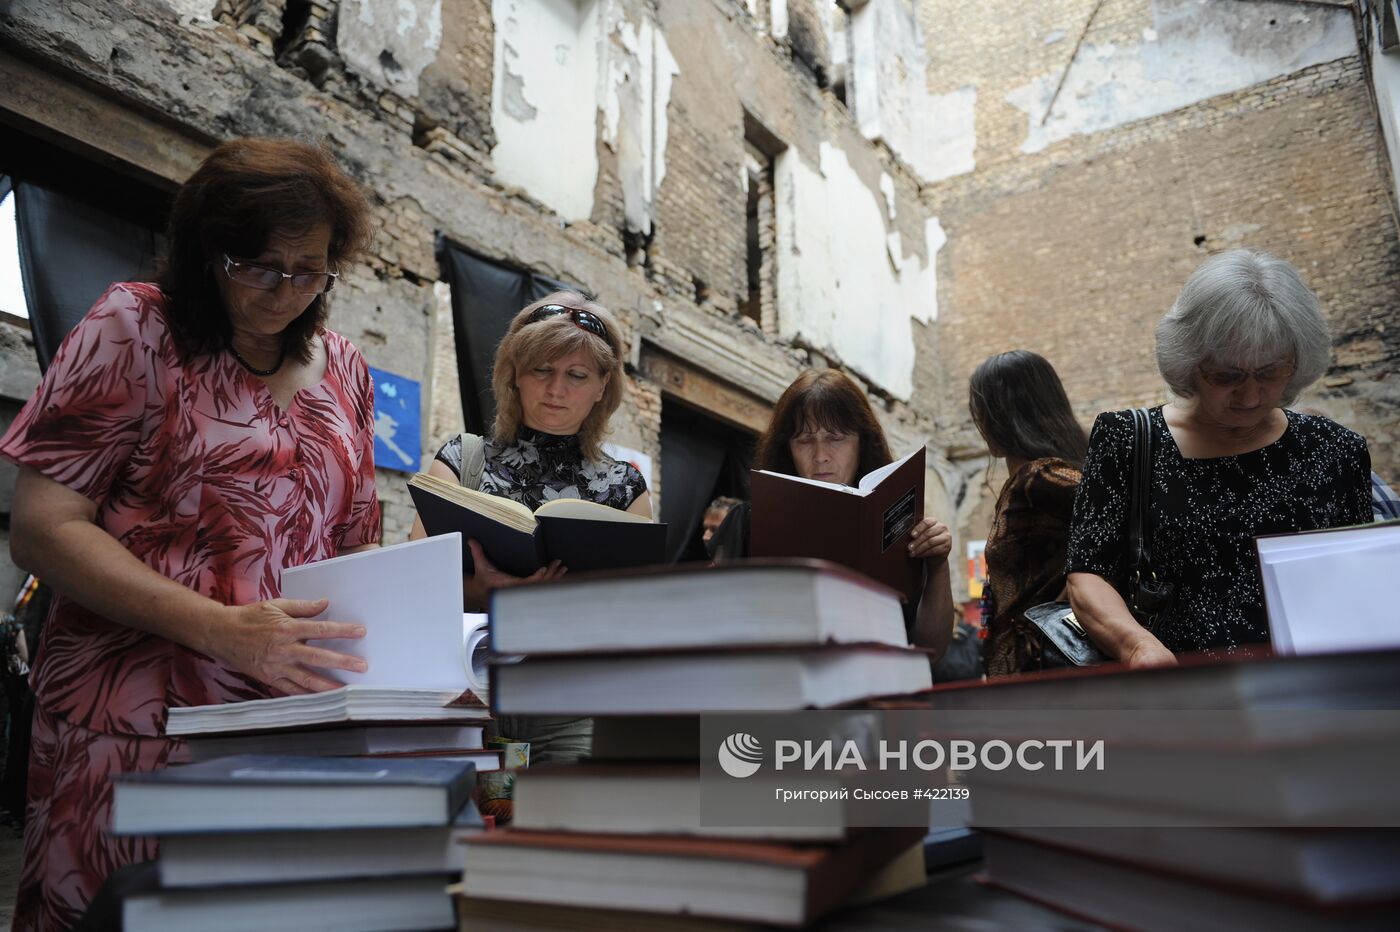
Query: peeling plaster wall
x=933, y=133
x=427, y=164
x=845, y=286
x=544, y=100
x=778, y=17
x=636, y=95
x=1195, y=49
x=192, y=9
x=1385, y=73
x=390, y=42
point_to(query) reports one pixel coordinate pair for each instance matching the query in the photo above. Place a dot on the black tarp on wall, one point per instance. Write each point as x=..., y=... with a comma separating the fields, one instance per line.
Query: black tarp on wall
x=485, y=296
x=69, y=252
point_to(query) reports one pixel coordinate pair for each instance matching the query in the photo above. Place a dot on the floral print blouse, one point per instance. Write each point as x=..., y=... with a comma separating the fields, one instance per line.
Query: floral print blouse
x=541, y=467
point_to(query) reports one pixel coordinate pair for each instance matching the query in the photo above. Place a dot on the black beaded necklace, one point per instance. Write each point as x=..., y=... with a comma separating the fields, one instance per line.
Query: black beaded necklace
x=264, y=373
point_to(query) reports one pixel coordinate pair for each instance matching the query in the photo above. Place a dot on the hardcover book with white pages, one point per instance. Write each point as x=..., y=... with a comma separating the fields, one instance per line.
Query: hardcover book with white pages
x=344, y=741
x=348, y=704
x=409, y=599
x=365, y=904
x=276, y=793
x=1330, y=591
x=678, y=682
x=753, y=602
x=866, y=527
x=210, y=859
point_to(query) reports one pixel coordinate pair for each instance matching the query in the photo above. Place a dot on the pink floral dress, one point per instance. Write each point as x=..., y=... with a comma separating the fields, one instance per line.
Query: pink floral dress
x=196, y=471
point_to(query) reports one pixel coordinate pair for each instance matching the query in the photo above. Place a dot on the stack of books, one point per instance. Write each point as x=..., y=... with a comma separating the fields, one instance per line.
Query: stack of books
x=352, y=721
x=1244, y=793
x=617, y=841
x=332, y=809
x=279, y=842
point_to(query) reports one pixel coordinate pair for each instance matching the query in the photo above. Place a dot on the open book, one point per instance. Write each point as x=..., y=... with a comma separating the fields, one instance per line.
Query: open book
x=581, y=535
x=1331, y=590
x=865, y=527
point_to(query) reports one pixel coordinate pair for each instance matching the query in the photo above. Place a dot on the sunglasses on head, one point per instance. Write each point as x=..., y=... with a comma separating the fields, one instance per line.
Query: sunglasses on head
x=584, y=320
x=1232, y=378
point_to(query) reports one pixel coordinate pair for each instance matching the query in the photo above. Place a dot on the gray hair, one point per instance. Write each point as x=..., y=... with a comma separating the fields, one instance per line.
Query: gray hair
x=1246, y=309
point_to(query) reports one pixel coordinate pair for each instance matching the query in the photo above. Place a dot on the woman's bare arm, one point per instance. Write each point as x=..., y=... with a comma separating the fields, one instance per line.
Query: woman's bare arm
x=1104, y=615
x=53, y=535
x=935, y=616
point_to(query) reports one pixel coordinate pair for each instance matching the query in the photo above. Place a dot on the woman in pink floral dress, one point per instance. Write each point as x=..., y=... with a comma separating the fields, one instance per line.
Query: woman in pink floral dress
x=191, y=439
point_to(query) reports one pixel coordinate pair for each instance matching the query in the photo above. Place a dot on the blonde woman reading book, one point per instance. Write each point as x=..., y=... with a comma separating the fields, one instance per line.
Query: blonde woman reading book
x=557, y=380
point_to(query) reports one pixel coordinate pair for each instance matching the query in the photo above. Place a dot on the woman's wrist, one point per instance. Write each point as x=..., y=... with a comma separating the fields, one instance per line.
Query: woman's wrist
x=212, y=627
x=1142, y=642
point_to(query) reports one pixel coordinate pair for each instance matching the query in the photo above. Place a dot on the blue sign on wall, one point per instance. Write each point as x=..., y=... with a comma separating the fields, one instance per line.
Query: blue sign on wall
x=397, y=435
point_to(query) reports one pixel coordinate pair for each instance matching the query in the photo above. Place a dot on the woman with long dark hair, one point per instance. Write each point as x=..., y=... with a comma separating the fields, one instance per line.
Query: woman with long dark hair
x=824, y=428
x=1020, y=408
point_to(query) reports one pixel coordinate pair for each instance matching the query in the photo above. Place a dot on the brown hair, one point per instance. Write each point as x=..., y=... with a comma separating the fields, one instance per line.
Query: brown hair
x=829, y=399
x=246, y=192
x=527, y=345
x=1020, y=408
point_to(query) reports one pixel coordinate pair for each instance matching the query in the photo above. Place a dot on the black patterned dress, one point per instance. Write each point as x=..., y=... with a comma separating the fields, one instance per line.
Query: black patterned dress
x=541, y=467
x=1205, y=513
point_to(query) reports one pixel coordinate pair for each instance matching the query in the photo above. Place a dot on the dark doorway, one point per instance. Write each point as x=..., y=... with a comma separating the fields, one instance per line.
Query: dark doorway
x=701, y=458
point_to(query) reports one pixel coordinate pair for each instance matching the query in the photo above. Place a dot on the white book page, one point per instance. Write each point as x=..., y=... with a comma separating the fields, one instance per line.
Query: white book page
x=1340, y=539
x=408, y=597
x=1281, y=557
x=1338, y=601
x=588, y=511
x=1279, y=634
x=475, y=648
x=873, y=478
x=817, y=482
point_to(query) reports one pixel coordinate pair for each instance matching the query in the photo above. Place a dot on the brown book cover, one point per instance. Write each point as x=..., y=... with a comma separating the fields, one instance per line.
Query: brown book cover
x=833, y=872
x=868, y=533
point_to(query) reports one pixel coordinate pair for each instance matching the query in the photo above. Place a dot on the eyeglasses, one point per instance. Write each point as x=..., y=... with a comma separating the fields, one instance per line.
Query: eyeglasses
x=1233, y=378
x=585, y=320
x=265, y=279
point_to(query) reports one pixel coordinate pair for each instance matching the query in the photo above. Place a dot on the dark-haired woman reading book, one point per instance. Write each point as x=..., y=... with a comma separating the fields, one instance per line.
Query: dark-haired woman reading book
x=824, y=429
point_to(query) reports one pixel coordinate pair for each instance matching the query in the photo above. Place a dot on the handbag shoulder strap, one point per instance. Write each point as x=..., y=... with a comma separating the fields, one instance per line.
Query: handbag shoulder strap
x=1139, y=521
x=473, y=460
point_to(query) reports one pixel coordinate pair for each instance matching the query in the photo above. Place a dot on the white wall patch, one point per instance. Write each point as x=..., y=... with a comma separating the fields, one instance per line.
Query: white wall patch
x=844, y=281
x=544, y=100
x=1196, y=49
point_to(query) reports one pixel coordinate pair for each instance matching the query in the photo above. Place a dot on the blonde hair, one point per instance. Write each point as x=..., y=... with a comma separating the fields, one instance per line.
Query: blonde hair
x=527, y=345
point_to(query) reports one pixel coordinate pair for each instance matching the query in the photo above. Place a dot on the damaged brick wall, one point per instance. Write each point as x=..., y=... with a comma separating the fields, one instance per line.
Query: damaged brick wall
x=402, y=92
x=1074, y=246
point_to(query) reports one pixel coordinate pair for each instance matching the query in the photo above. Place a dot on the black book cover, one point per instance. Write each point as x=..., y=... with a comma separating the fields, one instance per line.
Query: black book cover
x=581, y=544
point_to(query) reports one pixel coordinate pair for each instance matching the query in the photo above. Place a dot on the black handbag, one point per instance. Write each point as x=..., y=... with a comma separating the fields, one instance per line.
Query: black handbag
x=1062, y=639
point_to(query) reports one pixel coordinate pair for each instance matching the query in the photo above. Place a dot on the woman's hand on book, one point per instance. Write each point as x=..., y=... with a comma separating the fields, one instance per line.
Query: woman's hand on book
x=268, y=641
x=487, y=576
x=931, y=540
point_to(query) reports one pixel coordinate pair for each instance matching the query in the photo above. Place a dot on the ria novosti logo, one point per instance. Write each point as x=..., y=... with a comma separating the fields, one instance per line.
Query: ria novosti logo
x=740, y=755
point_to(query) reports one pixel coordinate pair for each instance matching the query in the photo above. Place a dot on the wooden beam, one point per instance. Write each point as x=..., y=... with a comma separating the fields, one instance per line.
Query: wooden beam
x=693, y=386
x=53, y=107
